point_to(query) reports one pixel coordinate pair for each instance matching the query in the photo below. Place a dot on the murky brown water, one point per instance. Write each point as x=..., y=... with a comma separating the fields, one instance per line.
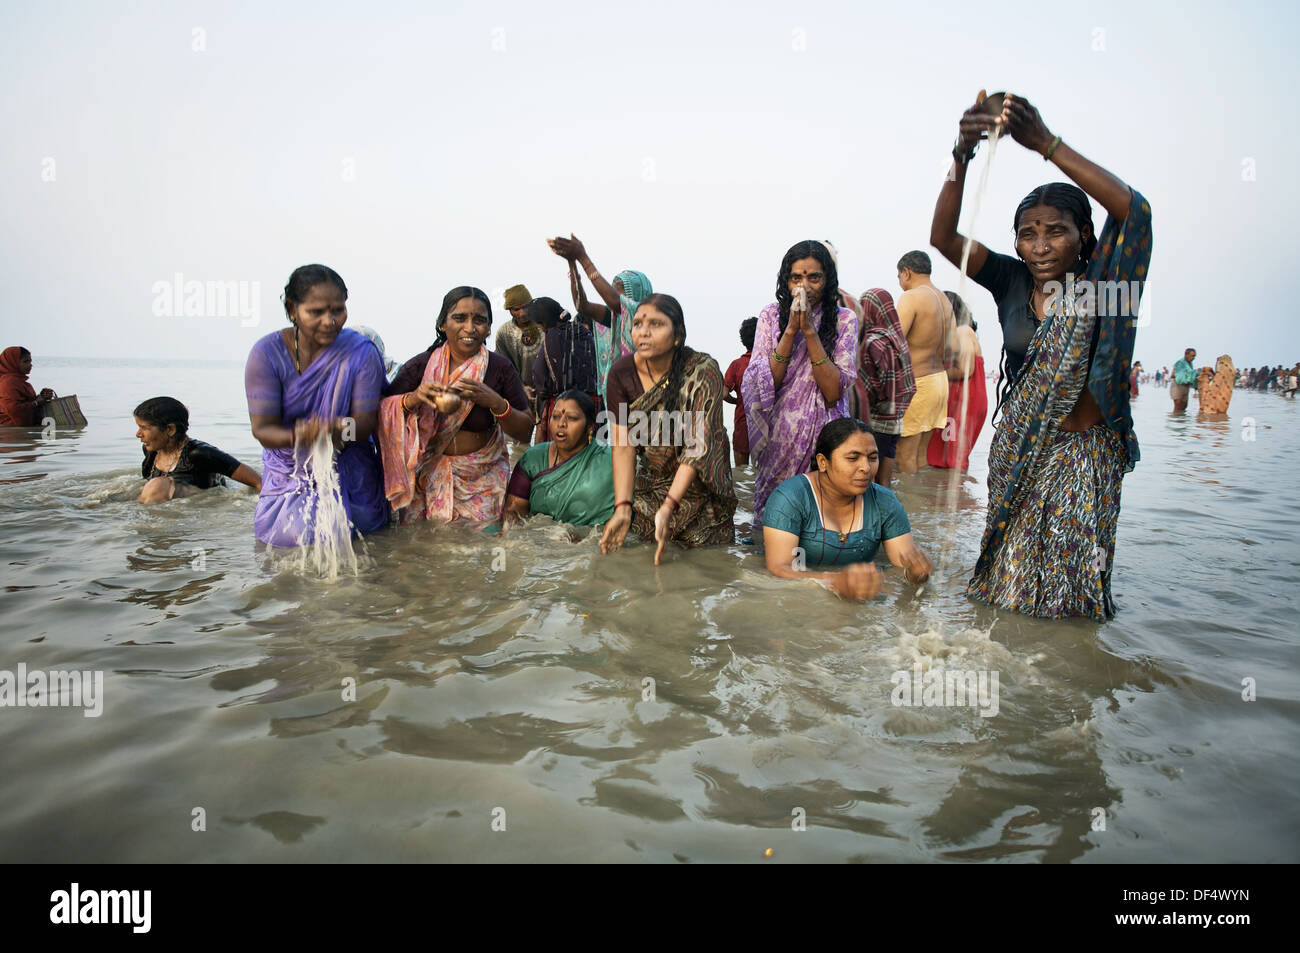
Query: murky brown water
x=505, y=682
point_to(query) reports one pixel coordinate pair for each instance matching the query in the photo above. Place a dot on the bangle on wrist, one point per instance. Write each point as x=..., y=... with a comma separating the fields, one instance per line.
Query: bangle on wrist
x=821, y=362
x=1052, y=148
x=780, y=359
x=669, y=498
x=627, y=503
x=962, y=157
x=503, y=413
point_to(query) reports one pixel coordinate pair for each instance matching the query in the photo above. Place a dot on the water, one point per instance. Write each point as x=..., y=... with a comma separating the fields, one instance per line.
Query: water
x=325, y=543
x=505, y=680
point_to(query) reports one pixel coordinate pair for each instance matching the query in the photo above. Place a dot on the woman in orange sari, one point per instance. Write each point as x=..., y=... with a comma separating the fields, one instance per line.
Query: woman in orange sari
x=444, y=419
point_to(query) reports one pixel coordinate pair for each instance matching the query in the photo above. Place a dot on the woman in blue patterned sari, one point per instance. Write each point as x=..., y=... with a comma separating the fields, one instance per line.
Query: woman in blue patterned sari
x=1068, y=309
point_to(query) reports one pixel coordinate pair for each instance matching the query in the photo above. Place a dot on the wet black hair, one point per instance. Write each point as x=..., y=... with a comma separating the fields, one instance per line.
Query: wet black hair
x=1067, y=198
x=449, y=302
x=584, y=402
x=830, y=302
x=306, y=277
x=545, y=311
x=671, y=308
x=747, y=329
x=835, y=433
x=961, y=312
x=917, y=261
x=161, y=411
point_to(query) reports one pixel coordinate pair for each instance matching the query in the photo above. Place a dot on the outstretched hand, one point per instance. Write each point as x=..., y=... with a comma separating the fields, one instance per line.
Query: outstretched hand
x=1021, y=119
x=860, y=581
x=570, y=249
x=976, y=124
x=611, y=540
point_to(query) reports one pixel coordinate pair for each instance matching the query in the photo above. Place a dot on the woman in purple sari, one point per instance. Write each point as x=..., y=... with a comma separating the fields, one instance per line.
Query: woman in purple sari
x=315, y=377
x=804, y=366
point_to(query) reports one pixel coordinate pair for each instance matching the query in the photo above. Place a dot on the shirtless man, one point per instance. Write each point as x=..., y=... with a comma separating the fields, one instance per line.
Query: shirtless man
x=927, y=319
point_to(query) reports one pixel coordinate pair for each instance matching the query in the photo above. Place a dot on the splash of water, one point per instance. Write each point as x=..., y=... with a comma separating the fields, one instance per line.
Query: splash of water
x=325, y=543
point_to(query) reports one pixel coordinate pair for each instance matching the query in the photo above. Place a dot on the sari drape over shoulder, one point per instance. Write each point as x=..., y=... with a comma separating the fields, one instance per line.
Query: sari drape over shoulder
x=707, y=510
x=1049, y=539
x=784, y=424
x=343, y=381
x=579, y=491
x=421, y=480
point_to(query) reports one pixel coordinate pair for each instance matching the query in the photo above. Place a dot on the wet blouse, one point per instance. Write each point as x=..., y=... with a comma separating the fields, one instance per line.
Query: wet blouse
x=792, y=508
x=200, y=464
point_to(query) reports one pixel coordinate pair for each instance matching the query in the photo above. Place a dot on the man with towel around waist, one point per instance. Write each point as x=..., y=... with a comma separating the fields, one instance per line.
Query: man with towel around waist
x=931, y=330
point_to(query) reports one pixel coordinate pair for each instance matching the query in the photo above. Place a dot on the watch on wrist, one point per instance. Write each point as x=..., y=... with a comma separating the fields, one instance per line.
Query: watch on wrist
x=962, y=157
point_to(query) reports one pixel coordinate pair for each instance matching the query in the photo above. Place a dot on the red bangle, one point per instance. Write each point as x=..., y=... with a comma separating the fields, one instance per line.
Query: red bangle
x=624, y=503
x=676, y=502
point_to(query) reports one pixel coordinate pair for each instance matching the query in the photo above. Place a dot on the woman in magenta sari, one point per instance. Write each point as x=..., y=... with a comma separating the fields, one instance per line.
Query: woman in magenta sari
x=804, y=365
x=444, y=420
x=316, y=377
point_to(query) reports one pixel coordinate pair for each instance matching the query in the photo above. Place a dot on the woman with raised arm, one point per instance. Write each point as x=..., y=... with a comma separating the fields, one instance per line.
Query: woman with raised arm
x=804, y=365
x=672, y=472
x=444, y=419
x=315, y=377
x=1065, y=438
x=610, y=322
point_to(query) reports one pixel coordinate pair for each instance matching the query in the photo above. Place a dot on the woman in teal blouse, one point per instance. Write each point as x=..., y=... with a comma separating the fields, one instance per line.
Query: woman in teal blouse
x=569, y=478
x=837, y=517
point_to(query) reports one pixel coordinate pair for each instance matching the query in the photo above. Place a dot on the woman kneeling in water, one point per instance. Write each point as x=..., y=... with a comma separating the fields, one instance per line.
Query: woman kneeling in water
x=176, y=464
x=837, y=517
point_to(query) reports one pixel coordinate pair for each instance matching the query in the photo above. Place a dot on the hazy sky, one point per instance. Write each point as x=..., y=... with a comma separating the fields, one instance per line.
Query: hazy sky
x=417, y=146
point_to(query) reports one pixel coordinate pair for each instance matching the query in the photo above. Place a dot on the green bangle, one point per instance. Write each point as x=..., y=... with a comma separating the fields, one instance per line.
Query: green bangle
x=819, y=363
x=780, y=359
x=1052, y=148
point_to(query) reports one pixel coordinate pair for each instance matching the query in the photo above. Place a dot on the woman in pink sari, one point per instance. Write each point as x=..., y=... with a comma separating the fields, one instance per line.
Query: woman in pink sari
x=444, y=420
x=804, y=365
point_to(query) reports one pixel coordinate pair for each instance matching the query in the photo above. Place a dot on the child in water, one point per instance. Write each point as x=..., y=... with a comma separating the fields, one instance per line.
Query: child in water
x=176, y=464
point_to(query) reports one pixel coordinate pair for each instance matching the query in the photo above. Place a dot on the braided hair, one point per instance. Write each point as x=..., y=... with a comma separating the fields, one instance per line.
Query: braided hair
x=1067, y=198
x=830, y=300
x=671, y=309
x=449, y=302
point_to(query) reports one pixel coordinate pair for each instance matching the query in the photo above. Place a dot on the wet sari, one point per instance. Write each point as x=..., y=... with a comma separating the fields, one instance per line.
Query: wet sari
x=421, y=480
x=343, y=381
x=1049, y=539
x=784, y=422
x=706, y=513
x=579, y=491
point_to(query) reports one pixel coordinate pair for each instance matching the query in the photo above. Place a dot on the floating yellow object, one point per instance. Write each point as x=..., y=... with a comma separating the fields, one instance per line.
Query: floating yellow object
x=768, y=852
